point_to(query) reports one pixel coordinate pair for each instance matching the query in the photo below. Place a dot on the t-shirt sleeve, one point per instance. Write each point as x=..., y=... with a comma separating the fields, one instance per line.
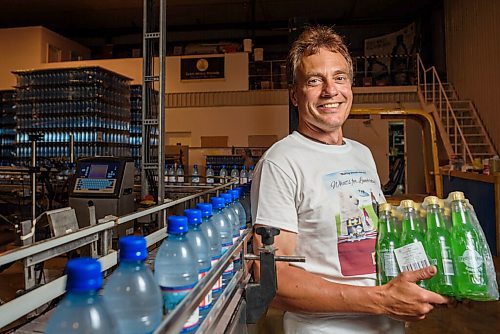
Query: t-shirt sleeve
x=273, y=197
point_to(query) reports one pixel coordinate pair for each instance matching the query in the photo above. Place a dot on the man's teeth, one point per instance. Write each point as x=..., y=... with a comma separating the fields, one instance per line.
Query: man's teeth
x=331, y=105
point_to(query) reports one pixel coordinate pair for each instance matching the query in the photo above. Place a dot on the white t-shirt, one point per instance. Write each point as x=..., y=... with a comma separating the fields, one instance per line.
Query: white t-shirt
x=328, y=195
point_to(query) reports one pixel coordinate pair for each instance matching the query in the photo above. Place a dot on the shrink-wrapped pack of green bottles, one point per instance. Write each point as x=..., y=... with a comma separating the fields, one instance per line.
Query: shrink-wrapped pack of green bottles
x=440, y=232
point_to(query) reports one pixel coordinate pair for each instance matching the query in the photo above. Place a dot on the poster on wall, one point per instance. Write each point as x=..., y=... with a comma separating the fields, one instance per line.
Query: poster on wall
x=389, y=58
x=202, y=68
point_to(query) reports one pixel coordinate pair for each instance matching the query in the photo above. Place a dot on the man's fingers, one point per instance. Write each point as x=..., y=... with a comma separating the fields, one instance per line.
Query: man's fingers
x=421, y=274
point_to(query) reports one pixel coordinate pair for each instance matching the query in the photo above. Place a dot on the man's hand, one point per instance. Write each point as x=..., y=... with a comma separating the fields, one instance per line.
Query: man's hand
x=403, y=299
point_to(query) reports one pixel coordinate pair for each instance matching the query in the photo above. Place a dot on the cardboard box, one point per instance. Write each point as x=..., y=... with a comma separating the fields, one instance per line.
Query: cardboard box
x=214, y=141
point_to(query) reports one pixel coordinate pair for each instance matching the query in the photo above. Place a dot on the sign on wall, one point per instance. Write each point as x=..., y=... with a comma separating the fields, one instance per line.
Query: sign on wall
x=202, y=68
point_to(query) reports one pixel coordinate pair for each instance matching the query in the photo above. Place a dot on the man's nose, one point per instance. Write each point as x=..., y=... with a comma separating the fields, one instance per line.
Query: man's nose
x=329, y=88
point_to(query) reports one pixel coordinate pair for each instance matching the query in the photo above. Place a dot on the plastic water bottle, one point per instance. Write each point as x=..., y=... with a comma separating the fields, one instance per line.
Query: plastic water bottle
x=195, y=178
x=131, y=293
x=212, y=234
x=209, y=174
x=226, y=234
x=232, y=217
x=223, y=174
x=180, y=174
x=239, y=209
x=250, y=173
x=243, y=175
x=199, y=243
x=176, y=269
x=170, y=174
x=235, y=174
x=82, y=310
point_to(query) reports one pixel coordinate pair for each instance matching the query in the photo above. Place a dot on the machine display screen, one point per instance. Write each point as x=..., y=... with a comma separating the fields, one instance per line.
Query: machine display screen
x=96, y=177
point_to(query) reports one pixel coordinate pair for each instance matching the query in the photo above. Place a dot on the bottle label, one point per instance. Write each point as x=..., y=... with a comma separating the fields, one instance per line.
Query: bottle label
x=472, y=260
x=390, y=266
x=243, y=180
x=196, y=180
x=173, y=296
x=229, y=269
x=210, y=180
x=171, y=179
x=411, y=257
x=207, y=301
x=180, y=179
x=218, y=284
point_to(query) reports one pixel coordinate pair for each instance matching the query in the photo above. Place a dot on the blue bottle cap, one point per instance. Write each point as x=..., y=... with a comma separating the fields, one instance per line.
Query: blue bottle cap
x=193, y=216
x=228, y=198
x=218, y=202
x=206, y=209
x=177, y=224
x=84, y=274
x=235, y=193
x=133, y=248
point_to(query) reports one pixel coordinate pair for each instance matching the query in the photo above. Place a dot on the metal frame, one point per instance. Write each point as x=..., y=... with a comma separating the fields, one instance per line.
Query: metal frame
x=423, y=118
x=53, y=247
x=153, y=114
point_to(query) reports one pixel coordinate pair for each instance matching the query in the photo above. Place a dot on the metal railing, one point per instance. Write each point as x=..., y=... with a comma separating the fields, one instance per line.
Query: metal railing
x=43, y=294
x=432, y=91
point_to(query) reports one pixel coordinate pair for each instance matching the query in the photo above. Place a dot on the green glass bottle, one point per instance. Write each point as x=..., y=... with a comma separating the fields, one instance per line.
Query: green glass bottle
x=470, y=270
x=438, y=249
x=410, y=229
x=387, y=241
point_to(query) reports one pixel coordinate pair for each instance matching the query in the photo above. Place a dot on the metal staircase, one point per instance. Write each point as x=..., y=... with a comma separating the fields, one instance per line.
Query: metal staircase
x=460, y=127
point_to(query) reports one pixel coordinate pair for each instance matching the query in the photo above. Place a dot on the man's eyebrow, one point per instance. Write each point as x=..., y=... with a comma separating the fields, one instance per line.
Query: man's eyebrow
x=319, y=74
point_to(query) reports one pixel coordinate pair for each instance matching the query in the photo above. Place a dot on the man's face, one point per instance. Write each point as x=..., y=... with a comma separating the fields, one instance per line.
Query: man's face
x=322, y=91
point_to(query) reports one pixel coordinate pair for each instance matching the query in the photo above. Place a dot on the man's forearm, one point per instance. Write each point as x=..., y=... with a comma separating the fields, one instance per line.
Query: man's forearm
x=301, y=291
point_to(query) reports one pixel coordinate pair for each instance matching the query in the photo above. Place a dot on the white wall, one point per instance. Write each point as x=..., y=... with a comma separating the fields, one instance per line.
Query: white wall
x=26, y=48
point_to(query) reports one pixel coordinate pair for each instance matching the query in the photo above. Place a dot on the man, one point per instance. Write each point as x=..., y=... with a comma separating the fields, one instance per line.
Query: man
x=315, y=185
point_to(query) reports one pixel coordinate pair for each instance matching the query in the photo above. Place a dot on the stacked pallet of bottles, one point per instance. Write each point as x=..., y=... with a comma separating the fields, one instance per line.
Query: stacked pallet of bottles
x=136, y=125
x=90, y=103
x=7, y=127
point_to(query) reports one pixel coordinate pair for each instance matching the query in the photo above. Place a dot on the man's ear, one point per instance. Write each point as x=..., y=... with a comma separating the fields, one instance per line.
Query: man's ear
x=293, y=97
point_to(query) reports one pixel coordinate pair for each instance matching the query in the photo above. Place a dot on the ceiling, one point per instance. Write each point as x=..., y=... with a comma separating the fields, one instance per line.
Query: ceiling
x=95, y=23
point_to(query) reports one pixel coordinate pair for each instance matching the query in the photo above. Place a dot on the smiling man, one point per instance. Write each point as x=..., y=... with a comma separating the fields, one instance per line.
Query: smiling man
x=322, y=191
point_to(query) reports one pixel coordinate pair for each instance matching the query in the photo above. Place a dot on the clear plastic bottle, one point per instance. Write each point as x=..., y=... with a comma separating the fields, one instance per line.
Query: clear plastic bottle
x=226, y=234
x=243, y=175
x=250, y=173
x=82, y=310
x=239, y=209
x=199, y=243
x=176, y=269
x=195, y=178
x=131, y=293
x=179, y=174
x=223, y=174
x=170, y=174
x=234, y=220
x=387, y=241
x=235, y=174
x=209, y=174
x=212, y=234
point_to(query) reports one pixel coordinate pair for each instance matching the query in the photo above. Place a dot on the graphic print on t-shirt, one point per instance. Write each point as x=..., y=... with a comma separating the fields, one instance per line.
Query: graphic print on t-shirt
x=357, y=222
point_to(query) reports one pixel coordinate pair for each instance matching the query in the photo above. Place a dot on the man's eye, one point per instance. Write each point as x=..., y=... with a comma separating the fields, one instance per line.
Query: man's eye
x=341, y=78
x=313, y=82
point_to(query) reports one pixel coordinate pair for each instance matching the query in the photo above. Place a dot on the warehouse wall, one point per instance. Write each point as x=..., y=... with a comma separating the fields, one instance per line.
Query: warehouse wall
x=472, y=34
x=27, y=48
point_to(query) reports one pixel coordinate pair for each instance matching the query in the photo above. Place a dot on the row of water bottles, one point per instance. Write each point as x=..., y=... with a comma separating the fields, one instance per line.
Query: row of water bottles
x=72, y=122
x=73, y=107
x=52, y=150
x=78, y=136
x=134, y=300
x=242, y=176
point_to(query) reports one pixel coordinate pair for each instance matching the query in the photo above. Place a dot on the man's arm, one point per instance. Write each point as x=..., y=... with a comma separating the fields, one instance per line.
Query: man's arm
x=301, y=291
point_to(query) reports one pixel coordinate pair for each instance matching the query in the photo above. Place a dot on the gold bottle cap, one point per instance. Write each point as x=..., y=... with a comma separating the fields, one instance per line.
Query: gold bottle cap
x=407, y=203
x=457, y=196
x=432, y=200
x=385, y=207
